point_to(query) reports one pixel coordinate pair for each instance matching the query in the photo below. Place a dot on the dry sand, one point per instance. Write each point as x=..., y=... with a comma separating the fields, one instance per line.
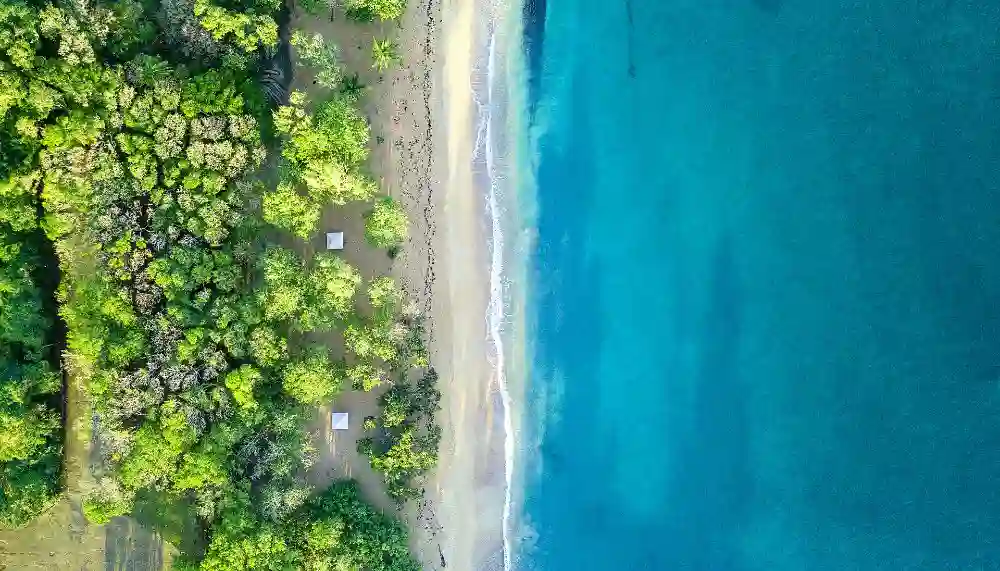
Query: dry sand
x=467, y=498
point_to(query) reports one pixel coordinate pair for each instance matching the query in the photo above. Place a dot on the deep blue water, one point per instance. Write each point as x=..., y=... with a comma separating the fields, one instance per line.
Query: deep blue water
x=766, y=293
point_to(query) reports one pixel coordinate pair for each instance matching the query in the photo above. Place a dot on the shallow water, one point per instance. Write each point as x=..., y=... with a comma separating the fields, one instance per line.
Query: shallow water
x=764, y=293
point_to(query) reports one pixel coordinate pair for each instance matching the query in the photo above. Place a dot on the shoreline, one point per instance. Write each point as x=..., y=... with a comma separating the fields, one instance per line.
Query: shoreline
x=458, y=524
x=461, y=517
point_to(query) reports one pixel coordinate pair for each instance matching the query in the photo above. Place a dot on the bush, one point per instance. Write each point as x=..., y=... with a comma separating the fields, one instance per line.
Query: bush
x=368, y=10
x=386, y=224
x=106, y=503
x=385, y=54
x=27, y=490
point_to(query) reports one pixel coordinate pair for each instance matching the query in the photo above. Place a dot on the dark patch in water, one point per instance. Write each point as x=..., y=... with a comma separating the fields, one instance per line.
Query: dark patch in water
x=712, y=493
x=534, y=42
x=769, y=6
x=631, y=39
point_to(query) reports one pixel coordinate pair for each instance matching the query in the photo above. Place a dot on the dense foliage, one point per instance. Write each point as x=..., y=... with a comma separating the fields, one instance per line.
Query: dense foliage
x=404, y=441
x=333, y=530
x=367, y=10
x=30, y=430
x=385, y=224
x=131, y=140
x=322, y=154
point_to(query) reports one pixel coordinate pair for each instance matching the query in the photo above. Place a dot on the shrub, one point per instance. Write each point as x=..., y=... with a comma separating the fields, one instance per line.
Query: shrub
x=386, y=224
x=312, y=378
x=314, y=51
x=385, y=54
x=368, y=10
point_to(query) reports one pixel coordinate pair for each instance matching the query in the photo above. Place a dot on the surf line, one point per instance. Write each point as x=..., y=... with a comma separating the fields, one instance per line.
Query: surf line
x=496, y=314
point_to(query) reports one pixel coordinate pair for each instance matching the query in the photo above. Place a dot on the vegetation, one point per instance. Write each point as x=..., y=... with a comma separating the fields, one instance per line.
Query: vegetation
x=30, y=431
x=405, y=439
x=368, y=10
x=131, y=147
x=351, y=88
x=322, y=154
x=321, y=56
x=403, y=443
x=385, y=54
x=385, y=224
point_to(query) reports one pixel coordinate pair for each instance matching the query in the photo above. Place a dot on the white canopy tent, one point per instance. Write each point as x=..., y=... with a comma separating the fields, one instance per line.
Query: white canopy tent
x=334, y=240
x=339, y=421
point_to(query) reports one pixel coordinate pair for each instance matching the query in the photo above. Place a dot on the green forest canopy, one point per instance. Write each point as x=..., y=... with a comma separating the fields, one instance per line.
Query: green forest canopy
x=130, y=144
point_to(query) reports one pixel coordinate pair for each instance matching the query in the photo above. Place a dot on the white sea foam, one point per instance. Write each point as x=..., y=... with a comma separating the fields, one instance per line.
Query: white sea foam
x=496, y=312
x=496, y=93
x=487, y=101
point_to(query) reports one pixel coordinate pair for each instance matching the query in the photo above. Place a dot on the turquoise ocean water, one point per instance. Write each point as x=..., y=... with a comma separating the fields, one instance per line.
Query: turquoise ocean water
x=764, y=294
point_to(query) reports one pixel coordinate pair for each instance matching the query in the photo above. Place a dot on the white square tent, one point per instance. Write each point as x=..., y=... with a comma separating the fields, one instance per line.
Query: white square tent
x=339, y=421
x=334, y=240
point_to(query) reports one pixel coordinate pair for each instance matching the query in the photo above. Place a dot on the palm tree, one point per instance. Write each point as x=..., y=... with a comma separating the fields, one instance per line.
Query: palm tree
x=147, y=70
x=385, y=53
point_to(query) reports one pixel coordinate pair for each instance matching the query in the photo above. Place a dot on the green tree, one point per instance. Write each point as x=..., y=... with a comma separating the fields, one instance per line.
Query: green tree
x=386, y=224
x=323, y=57
x=365, y=376
x=330, y=286
x=346, y=129
x=283, y=296
x=312, y=378
x=27, y=490
x=291, y=211
x=247, y=31
x=347, y=533
x=107, y=501
x=157, y=446
x=207, y=465
x=241, y=383
x=332, y=182
x=267, y=347
x=24, y=431
x=367, y=10
x=243, y=542
x=325, y=151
